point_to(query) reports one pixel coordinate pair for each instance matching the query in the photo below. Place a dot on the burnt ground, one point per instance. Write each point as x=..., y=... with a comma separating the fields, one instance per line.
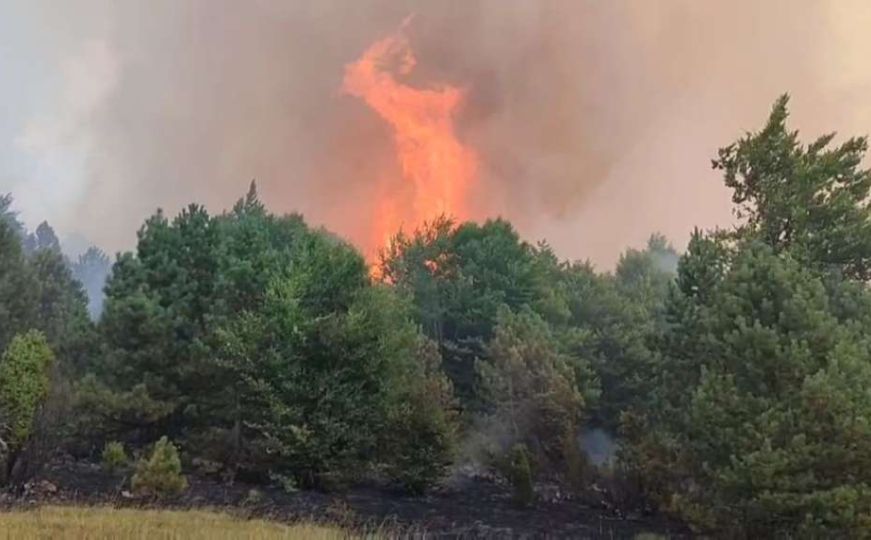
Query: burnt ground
x=479, y=509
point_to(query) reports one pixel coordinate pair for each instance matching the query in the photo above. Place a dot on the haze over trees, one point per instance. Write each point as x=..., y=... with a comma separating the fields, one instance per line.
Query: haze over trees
x=92, y=269
x=735, y=377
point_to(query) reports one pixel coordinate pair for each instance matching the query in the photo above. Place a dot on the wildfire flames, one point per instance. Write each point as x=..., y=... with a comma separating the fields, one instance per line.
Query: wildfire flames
x=437, y=170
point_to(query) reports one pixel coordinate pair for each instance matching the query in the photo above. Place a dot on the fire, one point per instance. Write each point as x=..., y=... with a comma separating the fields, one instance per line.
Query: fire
x=437, y=169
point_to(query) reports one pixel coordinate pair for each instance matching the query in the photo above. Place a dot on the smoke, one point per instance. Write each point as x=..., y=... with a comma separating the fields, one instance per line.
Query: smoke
x=598, y=446
x=594, y=121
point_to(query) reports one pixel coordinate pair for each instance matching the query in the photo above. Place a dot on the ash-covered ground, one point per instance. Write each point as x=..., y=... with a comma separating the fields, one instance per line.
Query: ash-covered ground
x=470, y=507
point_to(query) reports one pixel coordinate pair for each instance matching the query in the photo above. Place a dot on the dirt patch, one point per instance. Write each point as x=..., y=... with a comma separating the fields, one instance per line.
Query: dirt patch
x=479, y=509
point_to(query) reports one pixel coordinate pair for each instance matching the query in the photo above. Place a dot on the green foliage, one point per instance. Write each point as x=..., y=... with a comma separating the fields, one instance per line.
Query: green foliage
x=738, y=375
x=532, y=389
x=166, y=305
x=264, y=347
x=38, y=292
x=113, y=456
x=286, y=483
x=325, y=382
x=420, y=440
x=758, y=422
x=459, y=276
x=518, y=470
x=24, y=384
x=159, y=475
x=18, y=288
x=813, y=200
x=645, y=275
x=62, y=310
x=763, y=402
x=324, y=386
x=620, y=313
x=101, y=412
x=8, y=216
x=43, y=239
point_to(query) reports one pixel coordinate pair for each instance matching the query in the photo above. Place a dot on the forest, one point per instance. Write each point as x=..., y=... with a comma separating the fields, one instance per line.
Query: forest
x=734, y=378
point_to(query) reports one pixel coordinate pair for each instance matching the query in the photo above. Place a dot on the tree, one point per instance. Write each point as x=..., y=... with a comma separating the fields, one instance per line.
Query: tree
x=24, y=385
x=813, y=200
x=771, y=435
x=37, y=291
x=332, y=370
x=44, y=239
x=166, y=303
x=420, y=439
x=10, y=217
x=161, y=306
x=459, y=276
x=61, y=309
x=159, y=475
x=621, y=313
x=757, y=422
x=18, y=287
x=645, y=275
x=700, y=271
x=260, y=344
x=531, y=390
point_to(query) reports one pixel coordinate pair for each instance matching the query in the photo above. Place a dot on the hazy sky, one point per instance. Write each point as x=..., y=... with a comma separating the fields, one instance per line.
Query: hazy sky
x=595, y=121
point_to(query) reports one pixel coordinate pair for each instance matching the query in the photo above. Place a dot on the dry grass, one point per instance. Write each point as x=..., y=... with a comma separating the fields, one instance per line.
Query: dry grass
x=70, y=522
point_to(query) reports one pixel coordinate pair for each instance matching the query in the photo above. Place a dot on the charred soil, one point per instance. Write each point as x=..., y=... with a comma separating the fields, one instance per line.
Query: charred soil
x=477, y=509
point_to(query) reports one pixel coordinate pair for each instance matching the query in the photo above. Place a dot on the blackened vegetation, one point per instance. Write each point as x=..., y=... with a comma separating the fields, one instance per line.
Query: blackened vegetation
x=246, y=359
x=477, y=509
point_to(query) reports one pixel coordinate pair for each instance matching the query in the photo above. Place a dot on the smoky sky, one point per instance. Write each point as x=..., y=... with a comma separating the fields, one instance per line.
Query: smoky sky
x=594, y=121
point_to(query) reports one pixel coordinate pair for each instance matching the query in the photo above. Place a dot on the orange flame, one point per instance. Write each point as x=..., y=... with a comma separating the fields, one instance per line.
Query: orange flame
x=433, y=162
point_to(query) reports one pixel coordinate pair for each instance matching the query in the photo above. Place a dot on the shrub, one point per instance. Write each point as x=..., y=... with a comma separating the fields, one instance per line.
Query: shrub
x=101, y=413
x=114, y=456
x=518, y=470
x=578, y=470
x=255, y=497
x=160, y=474
x=286, y=483
x=24, y=384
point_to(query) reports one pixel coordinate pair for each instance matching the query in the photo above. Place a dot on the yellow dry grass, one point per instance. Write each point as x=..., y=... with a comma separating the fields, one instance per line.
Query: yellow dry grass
x=68, y=522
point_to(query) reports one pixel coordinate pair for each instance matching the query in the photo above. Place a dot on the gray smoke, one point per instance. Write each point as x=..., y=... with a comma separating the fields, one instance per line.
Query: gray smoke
x=594, y=121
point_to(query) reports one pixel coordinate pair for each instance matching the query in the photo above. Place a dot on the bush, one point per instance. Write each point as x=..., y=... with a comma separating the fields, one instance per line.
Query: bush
x=286, y=483
x=114, y=456
x=24, y=385
x=518, y=470
x=160, y=475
